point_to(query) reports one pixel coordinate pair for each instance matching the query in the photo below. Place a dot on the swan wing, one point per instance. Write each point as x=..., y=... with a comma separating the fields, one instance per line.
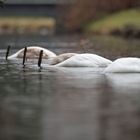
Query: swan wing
x=130, y=64
x=85, y=60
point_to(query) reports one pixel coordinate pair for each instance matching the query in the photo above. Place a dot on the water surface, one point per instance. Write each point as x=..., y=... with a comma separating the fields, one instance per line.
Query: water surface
x=67, y=103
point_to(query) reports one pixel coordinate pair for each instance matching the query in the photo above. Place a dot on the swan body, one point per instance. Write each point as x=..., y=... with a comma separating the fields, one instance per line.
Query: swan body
x=128, y=65
x=60, y=58
x=32, y=53
x=63, y=60
x=85, y=60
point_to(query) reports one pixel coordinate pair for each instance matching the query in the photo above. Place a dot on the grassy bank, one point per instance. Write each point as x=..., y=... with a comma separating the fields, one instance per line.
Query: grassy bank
x=115, y=21
x=10, y=25
x=114, y=47
x=24, y=21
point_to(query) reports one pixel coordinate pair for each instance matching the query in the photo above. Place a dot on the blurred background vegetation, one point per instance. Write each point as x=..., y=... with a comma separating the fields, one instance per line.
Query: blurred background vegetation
x=91, y=16
x=102, y=25
x=99, y=16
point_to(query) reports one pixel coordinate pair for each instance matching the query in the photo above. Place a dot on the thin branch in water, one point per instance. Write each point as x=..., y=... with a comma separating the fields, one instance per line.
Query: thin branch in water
x=7, y=52
x=40, y=58
x=24, y=56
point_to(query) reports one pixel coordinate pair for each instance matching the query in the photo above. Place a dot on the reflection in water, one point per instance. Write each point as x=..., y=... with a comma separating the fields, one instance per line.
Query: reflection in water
x=68, y=104
x=122, y=110
x=72, y=113
x=125, y=83
x=20, y=108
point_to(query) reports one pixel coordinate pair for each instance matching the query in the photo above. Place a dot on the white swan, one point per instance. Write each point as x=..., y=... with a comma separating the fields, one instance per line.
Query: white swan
x=63, y=60
x=85, y=60
x=32, y=53
x=128, y=64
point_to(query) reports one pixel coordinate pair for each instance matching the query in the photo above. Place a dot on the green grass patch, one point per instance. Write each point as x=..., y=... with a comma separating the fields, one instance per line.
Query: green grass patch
x=33, y=22
x=114, y=21
x=115, y=47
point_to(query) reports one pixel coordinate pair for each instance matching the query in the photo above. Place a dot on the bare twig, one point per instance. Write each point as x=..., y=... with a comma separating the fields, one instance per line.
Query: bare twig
x=7, y=52
x=40, y=58
x=24, y=56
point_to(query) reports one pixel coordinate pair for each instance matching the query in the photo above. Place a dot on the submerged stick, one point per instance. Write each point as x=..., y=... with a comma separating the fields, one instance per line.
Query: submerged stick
x=7, y=52
x=40, y=58
x=24, y=56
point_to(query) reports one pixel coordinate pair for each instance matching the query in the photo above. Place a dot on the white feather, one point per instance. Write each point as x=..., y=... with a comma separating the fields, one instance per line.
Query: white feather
x=129, y=64
x=85, y=60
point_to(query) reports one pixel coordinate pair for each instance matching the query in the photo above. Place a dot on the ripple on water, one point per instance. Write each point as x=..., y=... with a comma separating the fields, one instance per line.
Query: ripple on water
x=72, y=103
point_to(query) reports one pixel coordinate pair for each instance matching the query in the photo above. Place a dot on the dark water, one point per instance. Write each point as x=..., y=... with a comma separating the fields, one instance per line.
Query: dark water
x=67, y=103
